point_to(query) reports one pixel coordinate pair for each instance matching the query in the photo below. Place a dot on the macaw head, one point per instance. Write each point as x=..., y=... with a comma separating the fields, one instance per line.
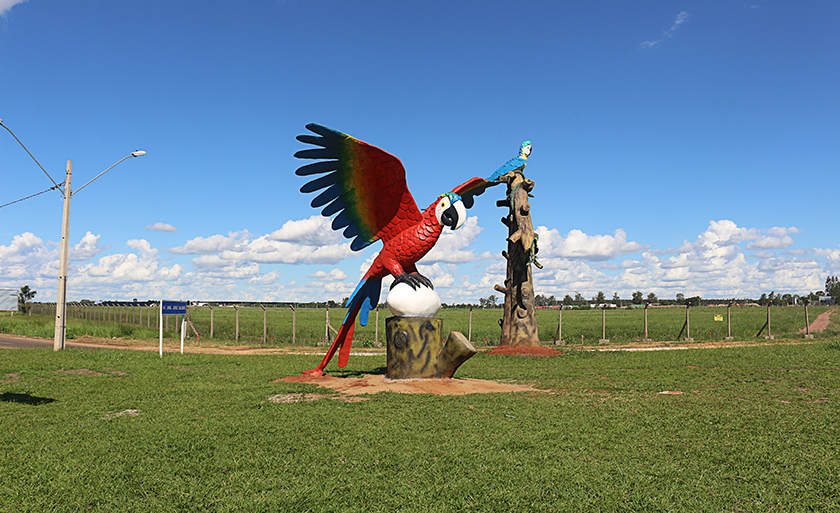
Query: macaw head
x=525, y=150
x=450, y=210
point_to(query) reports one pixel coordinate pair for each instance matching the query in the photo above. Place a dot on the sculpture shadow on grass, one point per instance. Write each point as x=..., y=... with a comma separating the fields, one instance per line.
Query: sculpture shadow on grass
x=32, y=400
x=359, y=373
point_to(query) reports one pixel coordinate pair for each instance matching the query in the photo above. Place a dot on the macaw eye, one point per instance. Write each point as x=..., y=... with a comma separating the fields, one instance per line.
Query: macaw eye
x=445, y=203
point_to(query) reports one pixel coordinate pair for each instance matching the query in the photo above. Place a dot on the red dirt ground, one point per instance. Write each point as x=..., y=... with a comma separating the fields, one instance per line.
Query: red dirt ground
x=373, y=384
x=526, y=351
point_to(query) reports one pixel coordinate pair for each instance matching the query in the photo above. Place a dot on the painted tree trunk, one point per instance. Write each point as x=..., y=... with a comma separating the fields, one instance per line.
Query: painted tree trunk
x=519, y=325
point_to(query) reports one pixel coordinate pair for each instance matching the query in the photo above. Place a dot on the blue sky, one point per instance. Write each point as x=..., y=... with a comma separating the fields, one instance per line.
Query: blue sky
x=679, y=146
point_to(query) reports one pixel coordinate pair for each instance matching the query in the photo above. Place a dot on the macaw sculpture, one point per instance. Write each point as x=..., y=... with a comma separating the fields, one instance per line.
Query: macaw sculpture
x=513, y=164
x=365, y=186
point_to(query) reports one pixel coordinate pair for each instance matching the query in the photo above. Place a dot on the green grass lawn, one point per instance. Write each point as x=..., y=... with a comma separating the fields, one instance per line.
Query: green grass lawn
x=755, y=429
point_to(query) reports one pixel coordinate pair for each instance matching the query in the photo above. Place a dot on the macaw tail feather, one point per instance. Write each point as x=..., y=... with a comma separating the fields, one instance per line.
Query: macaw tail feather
x=360, y=304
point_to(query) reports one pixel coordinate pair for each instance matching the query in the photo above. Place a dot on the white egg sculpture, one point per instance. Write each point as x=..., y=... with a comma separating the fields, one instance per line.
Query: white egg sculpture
x=404, y=301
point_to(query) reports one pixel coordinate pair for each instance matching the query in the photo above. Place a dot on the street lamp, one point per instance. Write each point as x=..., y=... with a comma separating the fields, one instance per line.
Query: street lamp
x=61, y=302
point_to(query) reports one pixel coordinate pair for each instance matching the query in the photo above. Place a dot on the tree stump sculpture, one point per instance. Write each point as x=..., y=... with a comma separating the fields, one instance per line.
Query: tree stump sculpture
x=519, y=325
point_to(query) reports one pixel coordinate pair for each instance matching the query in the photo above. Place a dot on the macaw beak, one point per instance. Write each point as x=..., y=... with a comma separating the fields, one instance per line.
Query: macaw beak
x=455, y=215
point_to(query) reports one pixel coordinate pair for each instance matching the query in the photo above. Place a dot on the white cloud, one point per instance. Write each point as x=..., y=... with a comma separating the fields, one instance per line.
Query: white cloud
x=6, y=5
x=315, y=231
x=87, y=248
x=682, y=18
x=585, y=247
x=162, y=227
x=334, y=275
x=452, y=246
x=212, y=244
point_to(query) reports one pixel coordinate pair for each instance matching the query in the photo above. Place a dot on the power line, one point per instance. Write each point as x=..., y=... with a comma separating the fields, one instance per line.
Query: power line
x=30, y=154
x=32, y=196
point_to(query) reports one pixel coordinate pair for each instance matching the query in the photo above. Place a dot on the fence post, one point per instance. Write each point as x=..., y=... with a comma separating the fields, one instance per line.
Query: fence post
x=769, y=334
x=647, y=337
x=807, y=323
x=265, y=325
x=327, y=327
x=236, y=307
x=604, y=339
x=211, y=320
x=469, y=332
x=294, y=322
x=560, y=341
x=376, y=334
x=688, y=324
x=729, y=322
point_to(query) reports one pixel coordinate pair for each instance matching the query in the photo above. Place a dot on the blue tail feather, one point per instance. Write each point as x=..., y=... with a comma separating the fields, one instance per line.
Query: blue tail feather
x=366, y=296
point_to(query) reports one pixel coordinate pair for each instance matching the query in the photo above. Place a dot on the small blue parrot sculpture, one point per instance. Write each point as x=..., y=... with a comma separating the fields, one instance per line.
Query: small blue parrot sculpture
x=514, y=163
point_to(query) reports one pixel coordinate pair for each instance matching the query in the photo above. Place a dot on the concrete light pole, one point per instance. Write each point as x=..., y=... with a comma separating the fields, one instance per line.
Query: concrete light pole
x=61, y=301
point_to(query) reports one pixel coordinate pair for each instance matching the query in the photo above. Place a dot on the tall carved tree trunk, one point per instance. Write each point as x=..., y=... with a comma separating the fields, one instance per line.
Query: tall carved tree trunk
x=519, y=325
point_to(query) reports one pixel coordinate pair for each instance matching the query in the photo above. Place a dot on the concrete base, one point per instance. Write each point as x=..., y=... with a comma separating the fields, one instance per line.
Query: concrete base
x=686, y=339
x=728, y=338
x=808, y=336
x=559, y=342
x=647, y=340
x=604, y=341
x=415, y=350
x=770, y=337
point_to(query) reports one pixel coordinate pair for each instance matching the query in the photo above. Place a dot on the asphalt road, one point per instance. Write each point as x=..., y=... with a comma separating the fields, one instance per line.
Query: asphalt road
x=15, y=342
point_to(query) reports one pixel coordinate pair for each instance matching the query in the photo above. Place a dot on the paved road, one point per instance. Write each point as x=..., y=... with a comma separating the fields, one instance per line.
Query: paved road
x=15, y=342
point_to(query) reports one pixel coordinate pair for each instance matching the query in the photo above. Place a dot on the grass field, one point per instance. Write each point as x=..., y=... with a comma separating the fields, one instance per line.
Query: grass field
x=622, y=326
x=755, y=429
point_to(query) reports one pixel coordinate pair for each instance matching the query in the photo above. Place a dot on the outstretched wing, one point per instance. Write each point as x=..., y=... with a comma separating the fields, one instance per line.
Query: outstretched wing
x=472, y=188
x=363, y=184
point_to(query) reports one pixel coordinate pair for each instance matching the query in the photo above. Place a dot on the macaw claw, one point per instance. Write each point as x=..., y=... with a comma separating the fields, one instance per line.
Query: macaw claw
x=318, y=372
x=414, y=281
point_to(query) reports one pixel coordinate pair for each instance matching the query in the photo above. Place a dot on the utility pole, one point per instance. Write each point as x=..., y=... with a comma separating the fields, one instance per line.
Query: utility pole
x=61, y=302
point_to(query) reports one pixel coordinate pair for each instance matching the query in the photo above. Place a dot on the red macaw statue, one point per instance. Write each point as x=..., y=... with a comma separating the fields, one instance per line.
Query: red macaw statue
x=366, y=187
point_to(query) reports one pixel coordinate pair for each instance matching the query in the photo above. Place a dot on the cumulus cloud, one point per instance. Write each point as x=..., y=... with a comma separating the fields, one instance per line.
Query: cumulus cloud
x=87, y=248
x=162, y=227
x=334, y=275
x=6, y=5
x=682, y=17
x=315, y=231
x=585, y=247
x=452, y=245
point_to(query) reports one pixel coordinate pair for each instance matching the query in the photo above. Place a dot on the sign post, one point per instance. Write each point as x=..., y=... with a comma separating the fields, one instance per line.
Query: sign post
x=172, y=308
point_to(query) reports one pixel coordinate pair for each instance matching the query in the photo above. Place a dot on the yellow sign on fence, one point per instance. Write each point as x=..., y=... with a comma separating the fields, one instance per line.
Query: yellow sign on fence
x=718, y=317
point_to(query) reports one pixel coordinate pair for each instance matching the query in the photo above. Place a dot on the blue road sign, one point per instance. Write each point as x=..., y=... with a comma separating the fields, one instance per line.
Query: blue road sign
x=174, y=307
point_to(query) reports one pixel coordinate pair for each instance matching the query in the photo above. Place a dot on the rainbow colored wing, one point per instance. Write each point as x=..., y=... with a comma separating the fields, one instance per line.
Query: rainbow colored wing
x=472, y=188
x=363, y=184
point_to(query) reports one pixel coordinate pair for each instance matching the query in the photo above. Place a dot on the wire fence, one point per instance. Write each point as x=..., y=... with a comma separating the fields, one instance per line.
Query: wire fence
x=275, y=325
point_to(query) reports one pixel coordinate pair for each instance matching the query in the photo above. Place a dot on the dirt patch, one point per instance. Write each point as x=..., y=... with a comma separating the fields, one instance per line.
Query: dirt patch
x=129, y=412
x=12, y=378
x=820, y=323
x=542, y=352
x=373, y=384
x=305, y=398
x=79, y=372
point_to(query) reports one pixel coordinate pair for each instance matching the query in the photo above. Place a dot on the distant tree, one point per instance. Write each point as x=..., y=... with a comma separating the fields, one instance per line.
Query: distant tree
x=24, y=296
x=694, y=301
x=489, y=302
x=637, y=298
x=540, y=300
x=832, y=287
x=568, y=300
x=652, y=298
x=680, y=298
x=599, y=298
